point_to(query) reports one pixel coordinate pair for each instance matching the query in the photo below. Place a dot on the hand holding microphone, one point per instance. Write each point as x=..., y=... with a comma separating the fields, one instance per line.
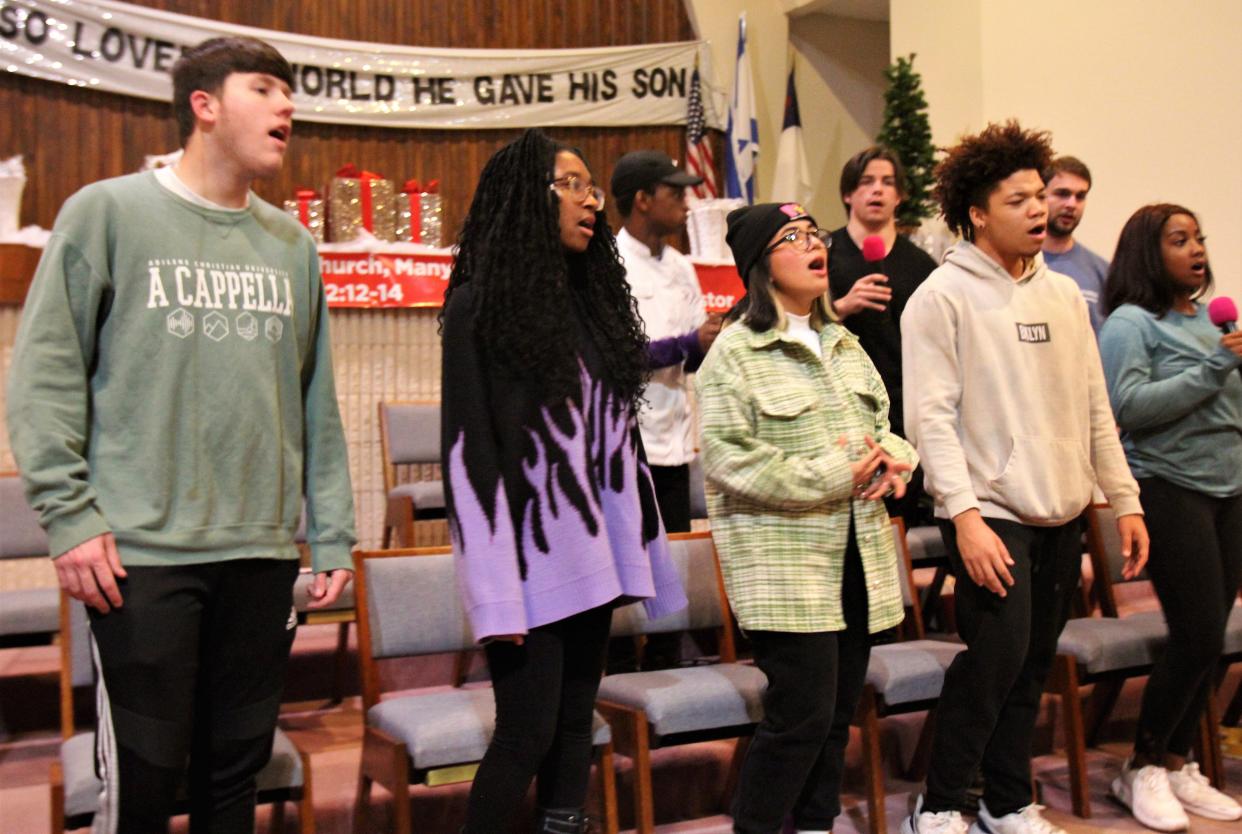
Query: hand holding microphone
x=870, y=292
x=1224, y=314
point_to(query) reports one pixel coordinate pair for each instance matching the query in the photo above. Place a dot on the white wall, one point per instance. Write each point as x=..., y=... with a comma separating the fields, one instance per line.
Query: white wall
x=840, y=78
x=1144, y=92
x=839, y=74
x=767, y=36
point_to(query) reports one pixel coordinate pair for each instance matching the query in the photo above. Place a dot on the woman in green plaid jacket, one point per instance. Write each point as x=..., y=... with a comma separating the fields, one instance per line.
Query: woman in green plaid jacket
x=798, y=455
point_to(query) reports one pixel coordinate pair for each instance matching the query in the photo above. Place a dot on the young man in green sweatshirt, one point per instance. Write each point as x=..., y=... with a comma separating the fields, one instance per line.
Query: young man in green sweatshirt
x=1007, y=406
x=171, y=404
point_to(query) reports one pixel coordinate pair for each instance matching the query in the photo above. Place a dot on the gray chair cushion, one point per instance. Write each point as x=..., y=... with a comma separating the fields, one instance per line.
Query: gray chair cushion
x=413, y=605
x=20, y=533
x=692, y=699
x=912, y=671
x=413, y=432
x=343, y=603
x=449, y=727
x=1107, y=644
x=694, y=559
x=426, y=495
x=31, y=611
x=926, y=545
x=77, y=761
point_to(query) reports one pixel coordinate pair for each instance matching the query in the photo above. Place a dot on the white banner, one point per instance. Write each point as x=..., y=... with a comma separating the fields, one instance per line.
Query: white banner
x=128, y=49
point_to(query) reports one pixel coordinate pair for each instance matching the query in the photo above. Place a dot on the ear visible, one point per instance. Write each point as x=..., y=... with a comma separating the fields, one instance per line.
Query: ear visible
x=205, y=106
x=978, y=217
x=642, y=200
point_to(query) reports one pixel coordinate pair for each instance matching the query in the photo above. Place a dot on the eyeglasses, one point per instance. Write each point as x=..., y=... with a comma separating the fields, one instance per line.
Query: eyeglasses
x=801, y=239
x=579, y=190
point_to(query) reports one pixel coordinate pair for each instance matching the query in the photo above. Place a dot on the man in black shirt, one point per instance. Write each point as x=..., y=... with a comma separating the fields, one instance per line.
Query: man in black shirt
x=870, y=296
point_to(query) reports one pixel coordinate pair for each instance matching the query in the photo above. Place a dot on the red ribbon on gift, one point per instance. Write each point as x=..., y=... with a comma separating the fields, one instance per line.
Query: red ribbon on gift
x=304, y=196
x=352, y=172
x=412, y=189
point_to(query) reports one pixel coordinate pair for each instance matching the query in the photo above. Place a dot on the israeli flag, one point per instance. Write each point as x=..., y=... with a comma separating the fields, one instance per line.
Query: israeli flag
x=742, y=133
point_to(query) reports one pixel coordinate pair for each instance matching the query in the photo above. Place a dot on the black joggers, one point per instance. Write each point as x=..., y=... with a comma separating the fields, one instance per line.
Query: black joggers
x=987, y=709
x=193, y=668
x=545, y=705
x=1195, y=567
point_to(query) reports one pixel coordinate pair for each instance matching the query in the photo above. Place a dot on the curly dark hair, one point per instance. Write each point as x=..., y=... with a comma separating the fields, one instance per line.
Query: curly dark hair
x=528, y=290
x=1137, y=274
x=971, y=170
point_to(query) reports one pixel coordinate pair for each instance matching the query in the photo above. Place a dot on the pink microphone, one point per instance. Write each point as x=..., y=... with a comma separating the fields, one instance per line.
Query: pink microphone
x=1224, y=314
x=873, y=248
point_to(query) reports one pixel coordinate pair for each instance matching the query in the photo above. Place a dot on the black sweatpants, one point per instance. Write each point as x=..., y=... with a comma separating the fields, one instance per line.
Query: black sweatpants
x=545, y=702
x=193, y=667
x=797, y=756
x=990, y=700
x=672, y=492
x=1196, y=568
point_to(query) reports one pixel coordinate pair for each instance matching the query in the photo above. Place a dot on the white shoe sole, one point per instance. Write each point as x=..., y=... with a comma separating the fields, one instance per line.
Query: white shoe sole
x=1121, y=793
x=1212, y=814
x=907, y=825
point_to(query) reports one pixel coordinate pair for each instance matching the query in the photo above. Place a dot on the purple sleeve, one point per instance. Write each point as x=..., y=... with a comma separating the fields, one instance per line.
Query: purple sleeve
x=675, y=350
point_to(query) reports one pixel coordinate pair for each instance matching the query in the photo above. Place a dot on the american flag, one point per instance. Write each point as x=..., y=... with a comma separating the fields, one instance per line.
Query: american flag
x=698, y=150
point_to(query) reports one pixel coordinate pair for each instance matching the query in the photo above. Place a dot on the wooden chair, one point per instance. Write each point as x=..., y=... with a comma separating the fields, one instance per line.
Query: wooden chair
x=1107, y=650
x=649, y=710
x=902, y=677
x=28, y=617
x=407, y=607
x=74, y=785
x=409, y=434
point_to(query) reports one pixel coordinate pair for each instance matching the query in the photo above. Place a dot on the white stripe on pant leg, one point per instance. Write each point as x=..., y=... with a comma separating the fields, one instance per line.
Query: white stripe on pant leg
x=106, y=816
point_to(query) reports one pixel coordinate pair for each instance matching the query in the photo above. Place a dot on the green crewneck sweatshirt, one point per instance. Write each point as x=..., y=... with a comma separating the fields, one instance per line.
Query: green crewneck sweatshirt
x=172, y=383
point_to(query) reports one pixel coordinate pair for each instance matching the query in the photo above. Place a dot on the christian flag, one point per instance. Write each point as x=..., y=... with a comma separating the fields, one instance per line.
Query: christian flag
x=791, y=182
x=742, y=134
x=699, y=159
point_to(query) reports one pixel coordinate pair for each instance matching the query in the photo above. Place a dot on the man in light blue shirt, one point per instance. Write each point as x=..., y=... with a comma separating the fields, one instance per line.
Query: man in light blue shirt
x=1067, y=181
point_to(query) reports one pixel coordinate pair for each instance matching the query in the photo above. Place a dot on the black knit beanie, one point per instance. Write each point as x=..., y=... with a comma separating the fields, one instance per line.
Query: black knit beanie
x=751, y=227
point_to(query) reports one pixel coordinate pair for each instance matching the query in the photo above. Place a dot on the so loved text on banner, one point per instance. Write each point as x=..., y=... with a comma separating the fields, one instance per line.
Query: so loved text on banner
x=129, y=49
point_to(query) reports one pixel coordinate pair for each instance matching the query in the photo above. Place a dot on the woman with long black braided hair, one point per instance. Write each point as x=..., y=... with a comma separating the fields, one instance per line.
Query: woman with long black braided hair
x=551, y=510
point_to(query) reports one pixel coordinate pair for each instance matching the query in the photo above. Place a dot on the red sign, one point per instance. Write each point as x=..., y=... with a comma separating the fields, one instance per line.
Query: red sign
x=385, y=279
x=391, y=279
x=722, y=286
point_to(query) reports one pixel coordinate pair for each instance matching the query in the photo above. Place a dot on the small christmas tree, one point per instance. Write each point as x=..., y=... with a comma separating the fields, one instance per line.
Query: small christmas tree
x=908, y=133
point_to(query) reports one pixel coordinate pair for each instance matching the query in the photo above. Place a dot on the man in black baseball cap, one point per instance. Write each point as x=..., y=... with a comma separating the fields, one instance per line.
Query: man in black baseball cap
x=650, y=192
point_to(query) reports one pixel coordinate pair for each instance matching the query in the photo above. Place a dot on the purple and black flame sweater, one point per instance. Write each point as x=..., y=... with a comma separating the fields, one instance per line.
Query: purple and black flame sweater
x=551, y=508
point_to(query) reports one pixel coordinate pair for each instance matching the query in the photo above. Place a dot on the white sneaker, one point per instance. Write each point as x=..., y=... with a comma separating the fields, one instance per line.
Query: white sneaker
x=1198, y=796
x=1146, y=792
x=1028, y=820
x=941, y=822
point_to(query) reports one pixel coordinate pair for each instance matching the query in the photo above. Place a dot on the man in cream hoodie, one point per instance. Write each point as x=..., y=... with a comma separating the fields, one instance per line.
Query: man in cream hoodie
x=1007, y=406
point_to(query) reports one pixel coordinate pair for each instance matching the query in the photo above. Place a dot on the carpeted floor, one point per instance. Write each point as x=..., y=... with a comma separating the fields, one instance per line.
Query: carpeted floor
x=689, y=781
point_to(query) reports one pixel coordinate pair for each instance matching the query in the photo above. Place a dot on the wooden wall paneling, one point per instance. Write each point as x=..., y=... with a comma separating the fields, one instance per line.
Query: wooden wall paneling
x=73, y=136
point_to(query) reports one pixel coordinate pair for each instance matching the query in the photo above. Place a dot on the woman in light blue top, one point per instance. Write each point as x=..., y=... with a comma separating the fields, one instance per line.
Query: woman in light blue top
x=1175, y=388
